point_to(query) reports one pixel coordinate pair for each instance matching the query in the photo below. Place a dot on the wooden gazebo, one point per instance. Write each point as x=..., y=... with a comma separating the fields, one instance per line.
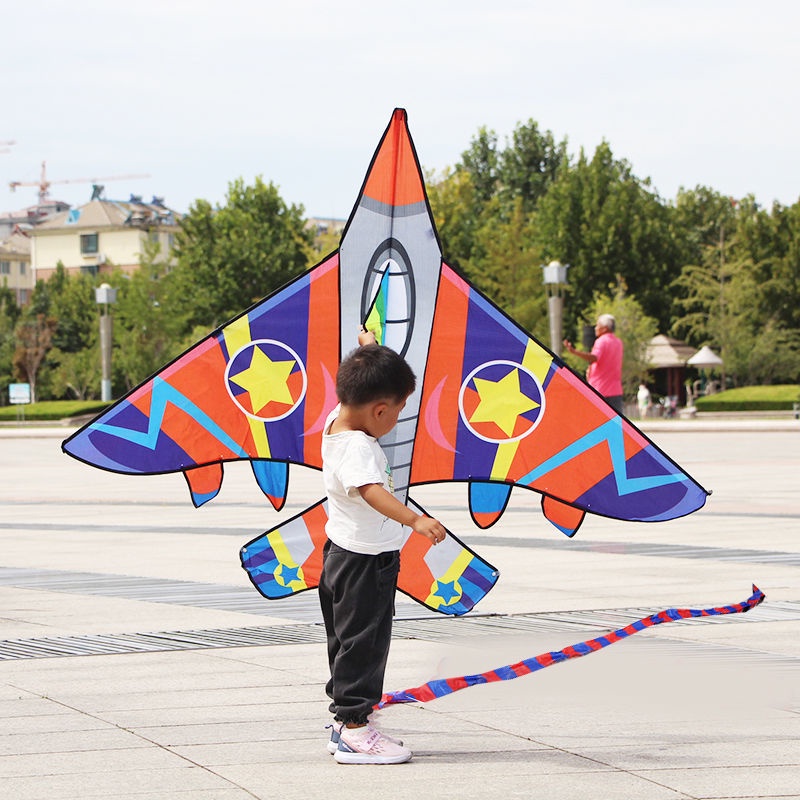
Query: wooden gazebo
x=667, y=358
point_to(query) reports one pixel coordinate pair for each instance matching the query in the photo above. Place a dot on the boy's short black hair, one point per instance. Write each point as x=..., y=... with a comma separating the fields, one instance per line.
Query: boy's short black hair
x=371, y=373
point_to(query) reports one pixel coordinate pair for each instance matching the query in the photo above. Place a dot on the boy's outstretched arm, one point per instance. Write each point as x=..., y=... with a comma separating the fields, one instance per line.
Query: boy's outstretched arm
x=387, y=504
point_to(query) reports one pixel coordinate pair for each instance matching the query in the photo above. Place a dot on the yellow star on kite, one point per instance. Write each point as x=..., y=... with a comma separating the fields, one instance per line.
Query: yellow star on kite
x=501, y=402
x=266, y=380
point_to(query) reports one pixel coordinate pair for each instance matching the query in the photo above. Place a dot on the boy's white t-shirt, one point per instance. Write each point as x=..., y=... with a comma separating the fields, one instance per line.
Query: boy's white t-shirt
x=351, y=459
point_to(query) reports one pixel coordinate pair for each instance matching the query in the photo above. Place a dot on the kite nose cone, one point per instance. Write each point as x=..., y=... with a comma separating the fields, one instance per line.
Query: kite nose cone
x=395, y=178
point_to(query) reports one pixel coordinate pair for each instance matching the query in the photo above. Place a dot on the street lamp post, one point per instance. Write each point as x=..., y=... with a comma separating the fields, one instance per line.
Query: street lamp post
x=104, y=295
x=555, y=281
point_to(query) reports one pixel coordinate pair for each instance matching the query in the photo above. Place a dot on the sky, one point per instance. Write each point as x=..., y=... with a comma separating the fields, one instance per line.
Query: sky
x=197, y=94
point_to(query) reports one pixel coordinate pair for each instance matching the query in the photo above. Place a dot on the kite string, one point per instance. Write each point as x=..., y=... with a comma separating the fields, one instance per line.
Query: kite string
x=444, y=686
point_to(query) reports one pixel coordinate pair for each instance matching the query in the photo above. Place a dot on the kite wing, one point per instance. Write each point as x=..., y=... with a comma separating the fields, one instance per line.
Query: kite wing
x=449, y=578
x=495, y=408
x=258, y=388
x=500, y=410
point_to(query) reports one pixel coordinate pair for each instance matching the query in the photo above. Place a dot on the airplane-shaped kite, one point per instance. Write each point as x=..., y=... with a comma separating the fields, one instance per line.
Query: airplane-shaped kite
x=494, y=408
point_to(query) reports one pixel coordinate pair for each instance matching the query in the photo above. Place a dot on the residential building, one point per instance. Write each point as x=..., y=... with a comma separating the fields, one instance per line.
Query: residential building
x=15, y=265
x=101, y=235
x=28, y=217
x=324, y=225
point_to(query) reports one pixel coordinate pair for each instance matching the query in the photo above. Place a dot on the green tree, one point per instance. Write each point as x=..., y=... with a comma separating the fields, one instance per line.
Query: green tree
x=719, y=301
x=770, y=242
x=741, y=295
x=147, y=319
x=66, y=301
x=231, y=256
x=495, y=250
x=774, y=356
x=454, y=206
x=72, y=304
x=709, y=268
x=601, y=219
x=76, y=374
x=34, y=338
x=323, y=245
x=505, y=265
x=701, y=217
x=9, y=314
x=771, y=239
x=483, y=209
x=724, y=304
x=529, y=164
x=490, y=185
x=480, y=161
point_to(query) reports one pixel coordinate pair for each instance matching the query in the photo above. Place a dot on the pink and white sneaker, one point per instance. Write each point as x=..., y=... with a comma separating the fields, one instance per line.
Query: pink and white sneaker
x=365, y=745
x=333, y=742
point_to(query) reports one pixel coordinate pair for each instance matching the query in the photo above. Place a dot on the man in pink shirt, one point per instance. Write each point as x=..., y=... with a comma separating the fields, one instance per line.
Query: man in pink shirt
x=605, y=361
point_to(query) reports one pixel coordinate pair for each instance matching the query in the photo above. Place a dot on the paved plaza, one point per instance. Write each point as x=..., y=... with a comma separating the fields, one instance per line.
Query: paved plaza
x=137, y=661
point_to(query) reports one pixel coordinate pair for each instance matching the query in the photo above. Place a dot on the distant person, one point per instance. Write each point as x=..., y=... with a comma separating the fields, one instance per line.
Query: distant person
x=361, y=558
x=643, y=400
x=605, y=361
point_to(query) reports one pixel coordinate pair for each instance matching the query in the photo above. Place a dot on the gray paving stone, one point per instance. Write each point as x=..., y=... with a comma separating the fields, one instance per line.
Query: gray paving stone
x=681, y=711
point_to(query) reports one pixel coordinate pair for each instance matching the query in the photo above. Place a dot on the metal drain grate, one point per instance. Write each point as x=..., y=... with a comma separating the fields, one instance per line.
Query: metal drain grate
x=436, y=629
x=305, y=608
x=219, y=597
x=107, y=644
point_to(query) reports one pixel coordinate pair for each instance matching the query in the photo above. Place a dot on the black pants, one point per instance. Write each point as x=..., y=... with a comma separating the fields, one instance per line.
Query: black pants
x=617, y=403
x=356, y=593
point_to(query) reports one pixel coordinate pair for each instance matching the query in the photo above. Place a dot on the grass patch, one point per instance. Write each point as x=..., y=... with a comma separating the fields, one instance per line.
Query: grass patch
x=745, y=398
x=752, y=398
x=51, y=410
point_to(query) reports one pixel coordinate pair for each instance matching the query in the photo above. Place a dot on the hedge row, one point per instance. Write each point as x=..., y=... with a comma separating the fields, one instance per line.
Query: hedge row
x=752, y=398
x=710, y=404
x=51, y=410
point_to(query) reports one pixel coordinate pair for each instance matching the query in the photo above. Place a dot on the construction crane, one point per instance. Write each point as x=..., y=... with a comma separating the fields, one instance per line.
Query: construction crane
x=44, y=184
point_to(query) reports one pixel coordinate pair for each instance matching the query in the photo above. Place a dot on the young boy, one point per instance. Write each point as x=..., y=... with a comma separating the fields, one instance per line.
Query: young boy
x=361, y=558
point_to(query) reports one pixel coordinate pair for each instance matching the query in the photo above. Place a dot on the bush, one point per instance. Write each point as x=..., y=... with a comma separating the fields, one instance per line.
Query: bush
x=752, y=398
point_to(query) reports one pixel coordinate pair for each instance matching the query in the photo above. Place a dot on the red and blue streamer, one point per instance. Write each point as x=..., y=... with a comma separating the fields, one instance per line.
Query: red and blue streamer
x=439, y=688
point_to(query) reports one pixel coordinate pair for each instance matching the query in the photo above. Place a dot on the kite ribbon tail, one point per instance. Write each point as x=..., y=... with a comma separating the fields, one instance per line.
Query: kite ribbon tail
x=439, y=688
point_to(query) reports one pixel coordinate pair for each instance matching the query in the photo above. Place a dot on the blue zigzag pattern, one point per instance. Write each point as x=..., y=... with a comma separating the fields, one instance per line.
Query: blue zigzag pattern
x=161, y=394
x=610, y=433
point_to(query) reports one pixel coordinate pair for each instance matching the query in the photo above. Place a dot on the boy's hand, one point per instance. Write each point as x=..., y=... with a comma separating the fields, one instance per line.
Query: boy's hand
x=366, y=337
x=430, y=528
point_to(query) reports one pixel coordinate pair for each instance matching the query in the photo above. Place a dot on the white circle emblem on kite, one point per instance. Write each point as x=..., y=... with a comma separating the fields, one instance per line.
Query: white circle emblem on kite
x=266, y=379
x=501, y=401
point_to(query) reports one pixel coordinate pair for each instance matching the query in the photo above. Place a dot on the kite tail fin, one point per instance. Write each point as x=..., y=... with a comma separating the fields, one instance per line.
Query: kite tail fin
x=273, y=479
x=449, y=578
x=287, y=559
x=487, y=502
x=204, y=482
x=444, y=686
